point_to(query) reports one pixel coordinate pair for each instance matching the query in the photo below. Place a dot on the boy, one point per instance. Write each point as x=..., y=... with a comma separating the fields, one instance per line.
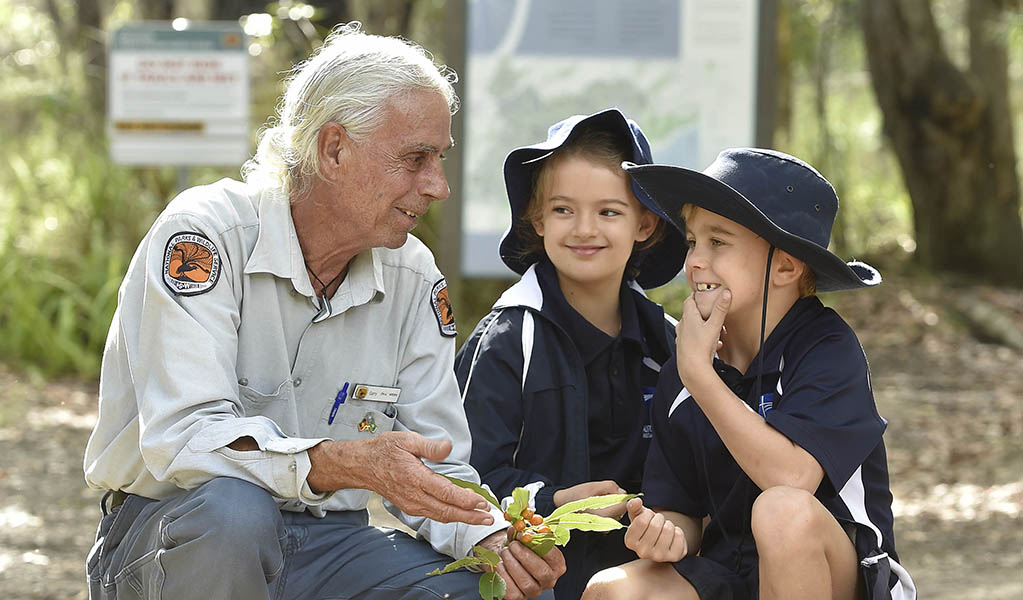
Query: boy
x=556, y=380
x=765, y=421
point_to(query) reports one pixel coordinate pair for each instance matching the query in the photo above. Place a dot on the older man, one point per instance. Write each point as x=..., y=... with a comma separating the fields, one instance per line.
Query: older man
x=280, y=347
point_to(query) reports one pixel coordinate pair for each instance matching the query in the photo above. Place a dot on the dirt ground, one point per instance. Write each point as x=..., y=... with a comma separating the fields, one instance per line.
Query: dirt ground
x=954, y=405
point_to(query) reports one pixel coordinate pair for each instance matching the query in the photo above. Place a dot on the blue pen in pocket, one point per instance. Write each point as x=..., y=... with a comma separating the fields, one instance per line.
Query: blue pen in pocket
x=338, y=401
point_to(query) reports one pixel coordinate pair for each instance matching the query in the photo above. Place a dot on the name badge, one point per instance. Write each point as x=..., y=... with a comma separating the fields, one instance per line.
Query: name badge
x=376, y=393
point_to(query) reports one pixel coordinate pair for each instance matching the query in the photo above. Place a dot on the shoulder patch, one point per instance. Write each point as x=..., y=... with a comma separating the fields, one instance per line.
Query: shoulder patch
x=442, y=309
x=191, y=264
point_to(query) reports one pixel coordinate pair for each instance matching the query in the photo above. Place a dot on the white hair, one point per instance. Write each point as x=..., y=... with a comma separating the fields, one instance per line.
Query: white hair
x=349, y=81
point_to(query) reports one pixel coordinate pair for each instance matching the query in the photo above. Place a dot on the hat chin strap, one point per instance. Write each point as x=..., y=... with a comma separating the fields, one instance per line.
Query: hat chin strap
x=763, y=322
x=748, y=526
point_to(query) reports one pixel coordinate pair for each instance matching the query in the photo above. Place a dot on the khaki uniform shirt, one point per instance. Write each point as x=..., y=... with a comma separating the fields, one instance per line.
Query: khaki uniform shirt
x=213, y=340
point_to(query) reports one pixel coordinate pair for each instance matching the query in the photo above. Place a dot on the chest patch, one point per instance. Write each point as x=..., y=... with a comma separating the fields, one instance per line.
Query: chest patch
x=442, y=309
x=191, y=264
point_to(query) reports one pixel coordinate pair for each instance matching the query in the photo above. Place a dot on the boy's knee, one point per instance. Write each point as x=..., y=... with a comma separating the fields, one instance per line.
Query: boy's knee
x=607, y=585
x=784, y=518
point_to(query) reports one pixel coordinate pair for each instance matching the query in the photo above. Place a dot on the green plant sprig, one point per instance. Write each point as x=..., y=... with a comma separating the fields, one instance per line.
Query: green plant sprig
x=538, y=533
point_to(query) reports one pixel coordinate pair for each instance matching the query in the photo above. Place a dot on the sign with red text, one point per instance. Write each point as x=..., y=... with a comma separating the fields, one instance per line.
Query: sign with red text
x=179, y=96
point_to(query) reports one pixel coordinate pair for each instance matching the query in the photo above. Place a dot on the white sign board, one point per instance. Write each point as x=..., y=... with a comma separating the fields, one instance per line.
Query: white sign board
x=179, y=97
x=685, y=70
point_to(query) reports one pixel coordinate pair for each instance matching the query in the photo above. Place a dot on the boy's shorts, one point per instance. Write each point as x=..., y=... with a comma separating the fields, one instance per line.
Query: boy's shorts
x=714, y=581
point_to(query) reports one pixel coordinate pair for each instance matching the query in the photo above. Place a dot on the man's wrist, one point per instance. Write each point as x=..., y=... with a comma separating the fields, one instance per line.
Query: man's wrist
x=336, y=466
x=318, y=458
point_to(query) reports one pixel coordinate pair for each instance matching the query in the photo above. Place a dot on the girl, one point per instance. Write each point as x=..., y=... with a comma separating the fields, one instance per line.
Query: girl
x=556, y=379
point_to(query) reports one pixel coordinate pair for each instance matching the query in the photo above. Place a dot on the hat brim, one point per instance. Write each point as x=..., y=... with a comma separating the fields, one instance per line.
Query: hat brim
x=672, y=187
x=661, y=263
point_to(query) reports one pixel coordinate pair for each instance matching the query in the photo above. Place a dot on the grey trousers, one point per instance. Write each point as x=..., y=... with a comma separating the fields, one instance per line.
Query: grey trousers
x=228, y=540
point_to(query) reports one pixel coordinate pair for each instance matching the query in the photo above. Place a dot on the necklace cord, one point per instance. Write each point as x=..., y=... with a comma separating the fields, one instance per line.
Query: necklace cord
x=323, y=286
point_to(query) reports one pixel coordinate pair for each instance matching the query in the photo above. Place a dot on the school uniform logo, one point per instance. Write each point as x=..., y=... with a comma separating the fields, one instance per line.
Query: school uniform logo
x=191, y=264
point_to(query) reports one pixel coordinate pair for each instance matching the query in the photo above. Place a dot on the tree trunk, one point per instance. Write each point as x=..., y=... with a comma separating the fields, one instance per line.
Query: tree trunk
x=229, y=10
x=783, y=77
x=384, y=17
x=824, y=157
x=952, y=134
x=156, y=10
x=88, y=38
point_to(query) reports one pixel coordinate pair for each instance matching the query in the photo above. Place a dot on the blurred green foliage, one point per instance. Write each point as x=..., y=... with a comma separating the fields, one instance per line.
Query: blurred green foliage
x=70, y=219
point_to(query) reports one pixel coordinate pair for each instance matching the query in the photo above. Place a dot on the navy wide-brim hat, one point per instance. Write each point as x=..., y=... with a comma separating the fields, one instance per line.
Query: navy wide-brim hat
x=774, y=195
x=660, y=263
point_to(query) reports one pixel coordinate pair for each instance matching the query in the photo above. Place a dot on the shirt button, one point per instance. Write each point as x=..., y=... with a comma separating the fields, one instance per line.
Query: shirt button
x=298, y=381
x=243, y=381
x=292, y=467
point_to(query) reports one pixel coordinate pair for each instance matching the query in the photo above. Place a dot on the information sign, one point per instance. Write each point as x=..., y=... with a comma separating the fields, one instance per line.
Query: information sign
x=179, y=97
x=686, y=70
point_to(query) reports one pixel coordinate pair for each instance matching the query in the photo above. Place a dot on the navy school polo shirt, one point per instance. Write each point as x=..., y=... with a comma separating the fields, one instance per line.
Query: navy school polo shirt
x=619, y=385
x=815, y=390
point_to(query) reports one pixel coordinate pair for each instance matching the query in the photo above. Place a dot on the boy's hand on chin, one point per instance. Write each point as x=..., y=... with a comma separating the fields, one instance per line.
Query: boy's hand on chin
x=698, y=338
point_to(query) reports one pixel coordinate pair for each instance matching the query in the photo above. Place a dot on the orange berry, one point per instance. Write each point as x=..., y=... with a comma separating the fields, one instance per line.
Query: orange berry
x=507, y=517
x=544, y=529
x=525, y=538
x=536, y=520
x=519, y=525
x=527, y=514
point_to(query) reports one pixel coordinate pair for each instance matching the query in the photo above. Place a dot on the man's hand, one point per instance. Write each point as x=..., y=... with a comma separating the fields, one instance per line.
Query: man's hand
x=593, y=488
x=526, y=573
x=391, y=465
x=652, y=536
x=697, y=340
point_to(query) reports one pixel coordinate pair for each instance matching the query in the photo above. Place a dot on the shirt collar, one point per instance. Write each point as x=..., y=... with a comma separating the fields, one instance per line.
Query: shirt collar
x=277, y=251
x=588, y=338
x=365, y=279
x=800, y=312
x=631, y=328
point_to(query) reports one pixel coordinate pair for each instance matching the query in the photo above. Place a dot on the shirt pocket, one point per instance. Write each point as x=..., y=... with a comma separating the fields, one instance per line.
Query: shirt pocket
x=276, y=404
x=360, y=419
x=250, y=396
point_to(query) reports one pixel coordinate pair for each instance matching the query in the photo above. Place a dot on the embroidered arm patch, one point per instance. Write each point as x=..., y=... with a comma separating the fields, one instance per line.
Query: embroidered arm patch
x=442, y=309
x=191, y=264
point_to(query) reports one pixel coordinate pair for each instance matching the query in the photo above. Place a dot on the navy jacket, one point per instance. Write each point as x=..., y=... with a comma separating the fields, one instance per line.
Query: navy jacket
x=524, y=388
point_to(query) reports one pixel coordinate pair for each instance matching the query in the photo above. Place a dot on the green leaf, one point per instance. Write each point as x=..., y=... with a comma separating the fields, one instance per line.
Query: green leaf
x=542, y=545
x=561, y=534
x=468, y=561
x=588, y=522
x=482, y=491
x=520, y=502
x=592, y=503
x=492, y=586
x=487, y=555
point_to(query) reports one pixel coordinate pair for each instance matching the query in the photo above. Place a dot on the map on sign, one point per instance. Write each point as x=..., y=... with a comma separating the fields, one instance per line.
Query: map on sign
x=179, y=97
x=685, y=70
